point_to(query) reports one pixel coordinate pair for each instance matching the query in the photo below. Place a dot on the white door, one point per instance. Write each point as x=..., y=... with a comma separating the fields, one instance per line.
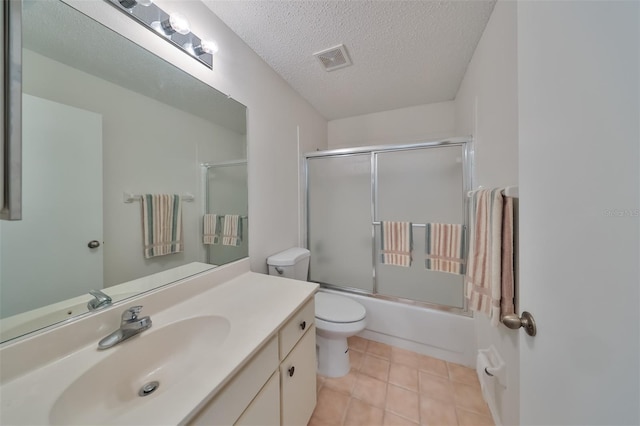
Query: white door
x=45, y=256
x=579, y=199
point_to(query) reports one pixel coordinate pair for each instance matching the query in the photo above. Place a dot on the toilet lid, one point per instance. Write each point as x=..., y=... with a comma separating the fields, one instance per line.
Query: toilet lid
x=336, y=308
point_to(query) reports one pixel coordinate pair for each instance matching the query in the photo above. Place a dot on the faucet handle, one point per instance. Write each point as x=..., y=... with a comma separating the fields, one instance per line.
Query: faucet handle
x=131, y=314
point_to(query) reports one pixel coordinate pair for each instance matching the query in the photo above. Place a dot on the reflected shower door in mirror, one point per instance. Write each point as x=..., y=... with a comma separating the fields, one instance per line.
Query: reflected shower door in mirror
x=227, y=209
x=103, y=117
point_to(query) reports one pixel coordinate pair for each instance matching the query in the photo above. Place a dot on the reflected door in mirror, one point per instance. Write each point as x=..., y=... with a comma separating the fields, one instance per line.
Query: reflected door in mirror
x=44, y=258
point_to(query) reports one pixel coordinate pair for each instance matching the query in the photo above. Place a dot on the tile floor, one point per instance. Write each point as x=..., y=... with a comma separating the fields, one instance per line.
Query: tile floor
x=393, y=386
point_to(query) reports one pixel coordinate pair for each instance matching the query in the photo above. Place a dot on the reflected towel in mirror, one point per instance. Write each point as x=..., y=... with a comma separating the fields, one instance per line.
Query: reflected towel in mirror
x=232, y=231
x=162, y=224
x=211, y=229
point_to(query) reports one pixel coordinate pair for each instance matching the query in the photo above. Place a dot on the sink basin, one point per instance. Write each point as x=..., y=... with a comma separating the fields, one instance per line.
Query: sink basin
x=169, y=355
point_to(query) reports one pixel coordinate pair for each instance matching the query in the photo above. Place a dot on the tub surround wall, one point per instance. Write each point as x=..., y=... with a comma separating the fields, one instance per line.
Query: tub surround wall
x=487, y=107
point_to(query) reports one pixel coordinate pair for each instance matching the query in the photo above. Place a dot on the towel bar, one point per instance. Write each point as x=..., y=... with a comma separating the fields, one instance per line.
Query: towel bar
x=418, y=225
x=509, y=191
x=129, y=197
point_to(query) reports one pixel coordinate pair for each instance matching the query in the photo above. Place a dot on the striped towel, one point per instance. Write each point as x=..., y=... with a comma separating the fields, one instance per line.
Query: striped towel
x=161, y=224
x=444, y=247
x=489, y=280
x=211, y=229
x=232, y=231
x=396, y=243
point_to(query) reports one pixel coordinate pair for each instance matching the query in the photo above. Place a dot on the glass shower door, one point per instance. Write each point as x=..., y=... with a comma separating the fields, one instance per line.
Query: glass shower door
x=420, y=186
x=339, y=221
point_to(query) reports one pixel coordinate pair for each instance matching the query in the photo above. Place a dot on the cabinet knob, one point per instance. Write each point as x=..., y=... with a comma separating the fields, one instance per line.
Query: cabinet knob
x=303, y=325
x=291, y=371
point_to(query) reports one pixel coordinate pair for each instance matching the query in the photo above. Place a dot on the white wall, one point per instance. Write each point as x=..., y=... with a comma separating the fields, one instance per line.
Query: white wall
x=405, y=125
x=487, y=107
x=138, y=149
x=276, y=115
x=579, y=114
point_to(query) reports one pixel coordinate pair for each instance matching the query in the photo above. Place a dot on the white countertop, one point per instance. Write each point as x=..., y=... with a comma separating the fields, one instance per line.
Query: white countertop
x=255, y=305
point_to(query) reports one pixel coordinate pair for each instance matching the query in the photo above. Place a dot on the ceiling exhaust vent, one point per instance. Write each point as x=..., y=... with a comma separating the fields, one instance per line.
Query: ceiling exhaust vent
x=334, y=58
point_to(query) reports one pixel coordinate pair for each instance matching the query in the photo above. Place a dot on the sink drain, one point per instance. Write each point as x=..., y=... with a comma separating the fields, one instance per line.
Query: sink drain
x=149, y=388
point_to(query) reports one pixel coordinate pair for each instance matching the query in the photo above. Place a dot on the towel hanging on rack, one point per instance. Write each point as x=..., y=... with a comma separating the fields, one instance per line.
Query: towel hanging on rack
x=161, y=224
x=396, y=243
x=489, y=283
x=444, y=247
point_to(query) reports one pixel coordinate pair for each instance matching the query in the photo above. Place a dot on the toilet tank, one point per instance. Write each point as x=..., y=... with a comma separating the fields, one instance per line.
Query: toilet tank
x=291, y=263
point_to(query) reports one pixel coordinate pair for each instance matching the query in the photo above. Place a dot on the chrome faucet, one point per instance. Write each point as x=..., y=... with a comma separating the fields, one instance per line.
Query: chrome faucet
x=130, y=326
x=100, y=300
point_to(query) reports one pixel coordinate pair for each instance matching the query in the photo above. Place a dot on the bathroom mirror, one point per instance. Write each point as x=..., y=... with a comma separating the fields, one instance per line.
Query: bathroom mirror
x=104, y=121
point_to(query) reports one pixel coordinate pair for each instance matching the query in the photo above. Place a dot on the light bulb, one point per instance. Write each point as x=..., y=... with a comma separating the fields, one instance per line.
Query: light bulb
x=206, y=46
x=179, y=23
x=176, y=23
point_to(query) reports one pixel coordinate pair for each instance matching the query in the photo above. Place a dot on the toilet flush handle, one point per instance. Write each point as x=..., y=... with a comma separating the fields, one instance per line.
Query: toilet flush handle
x=279, y=270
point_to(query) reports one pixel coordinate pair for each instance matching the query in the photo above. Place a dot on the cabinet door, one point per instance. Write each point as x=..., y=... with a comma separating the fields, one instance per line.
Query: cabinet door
x=298, y=378
x=264, y=410
x=226, y=407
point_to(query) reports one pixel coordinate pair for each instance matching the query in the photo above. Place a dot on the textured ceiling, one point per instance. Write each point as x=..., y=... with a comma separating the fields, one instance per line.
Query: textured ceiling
x=404, y=53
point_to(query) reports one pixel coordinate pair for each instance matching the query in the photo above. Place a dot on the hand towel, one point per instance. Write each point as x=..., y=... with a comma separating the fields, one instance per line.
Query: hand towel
x=161, y=224
x=444, y=247
x=211, y=229
x=232, y=230
x=396, y=243
x=489, y=285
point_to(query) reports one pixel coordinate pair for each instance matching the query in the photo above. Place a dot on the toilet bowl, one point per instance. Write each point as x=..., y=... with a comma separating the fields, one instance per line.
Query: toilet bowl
x=336, y=318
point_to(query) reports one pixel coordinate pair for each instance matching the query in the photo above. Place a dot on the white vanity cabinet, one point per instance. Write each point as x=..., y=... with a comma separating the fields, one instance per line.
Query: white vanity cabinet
x=298, y=381
x=277, y=386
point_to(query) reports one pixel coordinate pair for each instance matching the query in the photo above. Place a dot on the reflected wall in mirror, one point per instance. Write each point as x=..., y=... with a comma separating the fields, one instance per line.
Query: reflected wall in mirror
x=101, y=117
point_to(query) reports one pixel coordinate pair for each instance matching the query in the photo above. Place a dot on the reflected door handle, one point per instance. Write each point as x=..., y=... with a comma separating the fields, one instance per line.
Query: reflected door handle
x=93, y=244
x=526, y=321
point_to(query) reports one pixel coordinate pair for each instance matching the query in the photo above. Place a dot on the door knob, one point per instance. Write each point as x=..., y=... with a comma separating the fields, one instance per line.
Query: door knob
x=526, y=321
x=93, y=244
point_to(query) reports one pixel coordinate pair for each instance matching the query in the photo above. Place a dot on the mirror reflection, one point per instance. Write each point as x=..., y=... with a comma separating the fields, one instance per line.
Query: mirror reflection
x=107, y=124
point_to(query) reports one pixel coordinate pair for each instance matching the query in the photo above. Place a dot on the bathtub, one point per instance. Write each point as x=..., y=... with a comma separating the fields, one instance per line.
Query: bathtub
x=439, y=334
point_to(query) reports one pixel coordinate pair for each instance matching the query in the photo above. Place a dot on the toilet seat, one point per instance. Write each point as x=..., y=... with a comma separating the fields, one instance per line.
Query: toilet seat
x=334, y=308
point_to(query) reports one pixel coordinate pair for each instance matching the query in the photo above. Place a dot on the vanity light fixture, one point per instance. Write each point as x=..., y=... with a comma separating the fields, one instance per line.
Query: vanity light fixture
x=172, y=27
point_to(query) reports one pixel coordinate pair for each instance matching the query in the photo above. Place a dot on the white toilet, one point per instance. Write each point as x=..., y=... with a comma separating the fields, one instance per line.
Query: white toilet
x=337, y=317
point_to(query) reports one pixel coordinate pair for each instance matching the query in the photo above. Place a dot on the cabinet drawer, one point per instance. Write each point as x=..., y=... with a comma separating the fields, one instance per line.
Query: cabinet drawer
x=265, y=408
x=298, y=381
x=227, y=406
x=291, y=332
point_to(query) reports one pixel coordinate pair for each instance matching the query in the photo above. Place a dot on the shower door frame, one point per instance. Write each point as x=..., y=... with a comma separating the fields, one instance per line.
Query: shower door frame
x=466, y=143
